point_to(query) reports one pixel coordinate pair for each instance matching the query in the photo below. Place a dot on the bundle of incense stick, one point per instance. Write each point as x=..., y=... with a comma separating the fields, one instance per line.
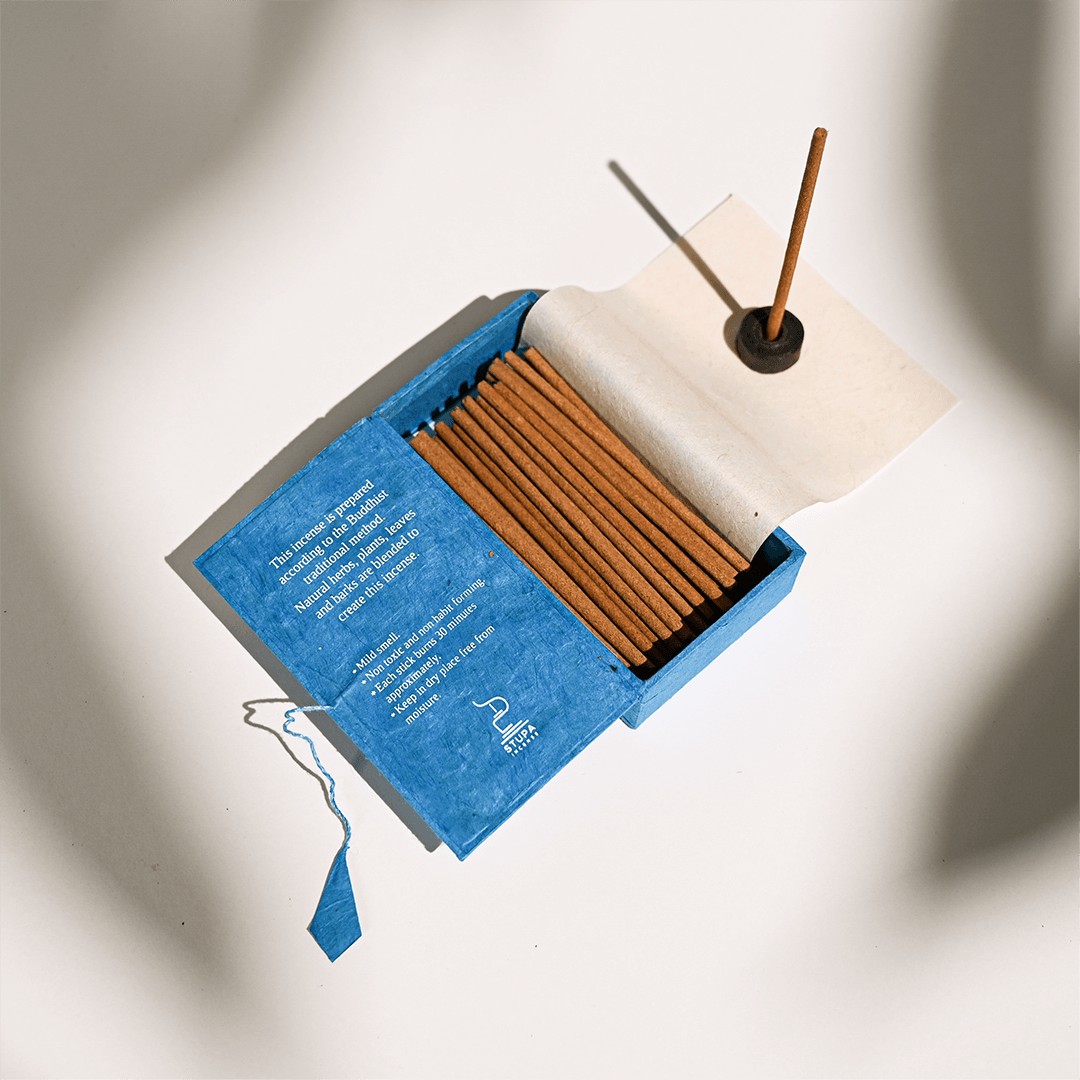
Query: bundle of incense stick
x=638, y=566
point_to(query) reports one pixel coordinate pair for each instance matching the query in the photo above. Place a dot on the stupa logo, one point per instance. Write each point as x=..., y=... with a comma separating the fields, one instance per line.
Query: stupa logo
x=514, y=736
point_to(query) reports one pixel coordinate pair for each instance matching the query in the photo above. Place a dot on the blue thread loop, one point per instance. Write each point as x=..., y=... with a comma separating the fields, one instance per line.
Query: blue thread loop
x=335, y=925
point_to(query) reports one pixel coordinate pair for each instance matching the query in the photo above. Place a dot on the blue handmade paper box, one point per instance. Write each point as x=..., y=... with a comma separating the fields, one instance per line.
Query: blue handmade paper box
x=433, y=647
x=436, y=650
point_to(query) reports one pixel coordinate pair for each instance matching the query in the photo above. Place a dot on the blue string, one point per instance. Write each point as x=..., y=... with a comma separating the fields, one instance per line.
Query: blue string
x=290, y=716
x=335, y=925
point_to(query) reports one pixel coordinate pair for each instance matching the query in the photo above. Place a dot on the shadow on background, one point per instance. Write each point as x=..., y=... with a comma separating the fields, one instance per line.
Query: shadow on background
x=684, y=245
x=109, y=112
x=310, y=442
x=987, y=154
x=1017, y=774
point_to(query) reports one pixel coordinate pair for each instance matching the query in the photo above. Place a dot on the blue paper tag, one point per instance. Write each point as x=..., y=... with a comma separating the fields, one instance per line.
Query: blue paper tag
x=336, y=925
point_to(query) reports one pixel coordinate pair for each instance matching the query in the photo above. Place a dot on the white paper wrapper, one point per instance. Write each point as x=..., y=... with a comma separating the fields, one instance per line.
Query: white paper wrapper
x=656, y=359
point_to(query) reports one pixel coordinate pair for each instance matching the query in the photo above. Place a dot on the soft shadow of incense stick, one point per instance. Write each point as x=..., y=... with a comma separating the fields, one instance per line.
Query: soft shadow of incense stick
x=680, y=242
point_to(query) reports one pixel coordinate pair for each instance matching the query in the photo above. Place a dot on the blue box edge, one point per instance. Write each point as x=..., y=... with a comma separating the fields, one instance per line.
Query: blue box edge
x=784, y=556
x=439, y=385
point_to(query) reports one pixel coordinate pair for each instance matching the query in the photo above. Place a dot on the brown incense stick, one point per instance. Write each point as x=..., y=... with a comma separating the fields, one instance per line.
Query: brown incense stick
x=638, y=566
x=600, y=446
x=540, y=530
x=730, y=561
x=604, y=556
x=602, y=598
x=554, y=537
x=541, y=365
x=544, y=370
x=630, y=606
x=532, y=448
x=693, y=577
x=559, y=540
x=798, y=227
x=667, y=581
x=498, y=518
x=549, y=538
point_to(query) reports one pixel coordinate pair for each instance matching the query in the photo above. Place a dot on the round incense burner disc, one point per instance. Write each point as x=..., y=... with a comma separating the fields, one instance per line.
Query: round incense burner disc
x=768, y=357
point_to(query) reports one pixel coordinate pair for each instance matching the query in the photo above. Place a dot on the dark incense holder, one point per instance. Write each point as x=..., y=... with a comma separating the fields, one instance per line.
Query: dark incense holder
x=764, y=356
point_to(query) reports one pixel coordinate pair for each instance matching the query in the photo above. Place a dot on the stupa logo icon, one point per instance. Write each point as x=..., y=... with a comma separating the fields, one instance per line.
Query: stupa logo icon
x=515, y=736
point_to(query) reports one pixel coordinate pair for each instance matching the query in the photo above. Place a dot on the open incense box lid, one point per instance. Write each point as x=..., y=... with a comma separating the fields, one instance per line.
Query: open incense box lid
x=455, y=670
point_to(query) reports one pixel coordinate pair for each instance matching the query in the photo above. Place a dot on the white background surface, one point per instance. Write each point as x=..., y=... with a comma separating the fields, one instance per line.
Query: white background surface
x=846, y=849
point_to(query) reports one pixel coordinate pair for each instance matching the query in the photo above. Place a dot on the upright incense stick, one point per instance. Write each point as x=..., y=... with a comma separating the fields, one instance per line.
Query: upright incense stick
x=798, y=227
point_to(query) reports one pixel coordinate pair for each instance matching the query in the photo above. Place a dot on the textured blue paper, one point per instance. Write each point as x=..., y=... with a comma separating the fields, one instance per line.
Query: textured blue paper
x=336, y=925
x=414, y=619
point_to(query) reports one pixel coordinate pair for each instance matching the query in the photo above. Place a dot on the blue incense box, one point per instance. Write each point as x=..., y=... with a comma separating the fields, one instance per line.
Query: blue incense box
x=433, y=647
x=462, y=677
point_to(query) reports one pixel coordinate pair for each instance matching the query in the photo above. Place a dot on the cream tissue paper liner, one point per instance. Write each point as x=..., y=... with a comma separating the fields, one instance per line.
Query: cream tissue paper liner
x=656, y=360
